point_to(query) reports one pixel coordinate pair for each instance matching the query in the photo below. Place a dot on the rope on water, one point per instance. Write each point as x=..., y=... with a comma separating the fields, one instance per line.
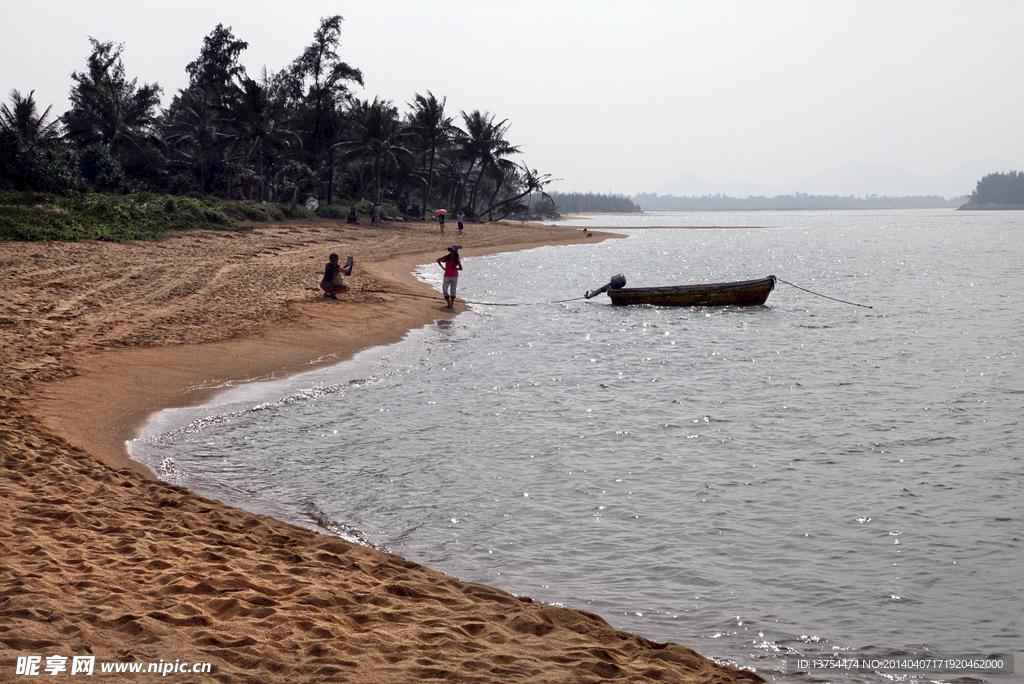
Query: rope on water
x=465, y=301
x=865, y=306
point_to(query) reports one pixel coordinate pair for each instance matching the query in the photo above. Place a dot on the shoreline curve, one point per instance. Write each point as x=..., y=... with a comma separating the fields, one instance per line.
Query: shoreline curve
x=102, y=559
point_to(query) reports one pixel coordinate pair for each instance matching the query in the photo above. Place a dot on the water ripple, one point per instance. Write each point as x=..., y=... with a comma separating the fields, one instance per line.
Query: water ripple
x=794, y=478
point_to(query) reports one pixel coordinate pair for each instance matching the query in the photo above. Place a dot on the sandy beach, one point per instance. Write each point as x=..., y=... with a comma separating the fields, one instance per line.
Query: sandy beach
x=101, y=559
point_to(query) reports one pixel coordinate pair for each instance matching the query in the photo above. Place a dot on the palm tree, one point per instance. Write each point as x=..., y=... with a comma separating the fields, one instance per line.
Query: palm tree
x=434, y=129
x=31, y=128
x=217, y=66
x=316, y=85
x=483, y=142
x=31, y=155
x=197, y=137
x=263, y=134
x=109, y=110
x=380, y=137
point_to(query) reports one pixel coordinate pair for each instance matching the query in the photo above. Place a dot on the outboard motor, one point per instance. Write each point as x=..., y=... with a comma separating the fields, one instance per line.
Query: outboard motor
x=617, y=283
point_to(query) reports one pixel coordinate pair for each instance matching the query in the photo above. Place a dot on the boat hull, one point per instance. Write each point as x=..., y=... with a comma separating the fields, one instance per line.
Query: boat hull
x=742, y=293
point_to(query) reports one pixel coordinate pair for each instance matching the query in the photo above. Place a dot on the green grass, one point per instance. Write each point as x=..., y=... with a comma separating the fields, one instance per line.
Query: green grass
x=142, y=216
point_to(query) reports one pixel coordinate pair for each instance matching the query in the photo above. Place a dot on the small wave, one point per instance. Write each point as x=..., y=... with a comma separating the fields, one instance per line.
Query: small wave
x=169, y=472
x=340, y=529
x=200, y=424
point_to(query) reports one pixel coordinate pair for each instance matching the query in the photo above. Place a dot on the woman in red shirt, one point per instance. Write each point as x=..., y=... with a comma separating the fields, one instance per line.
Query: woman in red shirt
x=452, y=264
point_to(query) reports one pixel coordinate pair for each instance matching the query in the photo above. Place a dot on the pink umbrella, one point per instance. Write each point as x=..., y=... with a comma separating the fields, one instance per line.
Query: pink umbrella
x=440, y=211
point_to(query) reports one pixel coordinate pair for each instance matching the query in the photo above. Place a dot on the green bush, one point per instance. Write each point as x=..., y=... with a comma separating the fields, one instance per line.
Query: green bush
x=101, y=170
x=142, y=216
x=364, y=210
x=333, y=211
x=95, y=216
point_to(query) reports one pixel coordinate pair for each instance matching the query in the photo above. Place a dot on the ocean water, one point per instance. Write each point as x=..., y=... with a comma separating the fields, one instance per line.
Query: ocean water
x=806, y=477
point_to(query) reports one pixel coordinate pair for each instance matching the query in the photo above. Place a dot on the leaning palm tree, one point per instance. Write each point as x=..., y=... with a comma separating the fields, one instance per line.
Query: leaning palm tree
x=527, y=182
x=503, y=173
x=31, y=128
x=434, y=130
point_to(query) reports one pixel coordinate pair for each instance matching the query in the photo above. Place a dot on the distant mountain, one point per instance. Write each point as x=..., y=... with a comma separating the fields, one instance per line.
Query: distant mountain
x=858, y=179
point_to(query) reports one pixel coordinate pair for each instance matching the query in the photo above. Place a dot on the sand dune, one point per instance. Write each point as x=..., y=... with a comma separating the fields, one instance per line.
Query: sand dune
x=100, y=559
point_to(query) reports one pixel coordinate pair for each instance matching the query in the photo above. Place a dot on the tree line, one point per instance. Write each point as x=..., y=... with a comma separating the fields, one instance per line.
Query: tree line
x=577, y=202
x=998, y=189
x=279, y=137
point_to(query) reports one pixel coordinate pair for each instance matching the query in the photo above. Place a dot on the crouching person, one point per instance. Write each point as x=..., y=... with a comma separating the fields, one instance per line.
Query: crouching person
x=332, y=283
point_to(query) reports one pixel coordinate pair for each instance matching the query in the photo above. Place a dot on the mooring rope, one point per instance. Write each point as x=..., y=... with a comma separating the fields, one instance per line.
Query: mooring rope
x=865, y=306
x=465, y=301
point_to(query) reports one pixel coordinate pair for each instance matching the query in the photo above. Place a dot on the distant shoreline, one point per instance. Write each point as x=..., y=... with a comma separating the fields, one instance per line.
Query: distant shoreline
x=797, y=202
x=991, y=207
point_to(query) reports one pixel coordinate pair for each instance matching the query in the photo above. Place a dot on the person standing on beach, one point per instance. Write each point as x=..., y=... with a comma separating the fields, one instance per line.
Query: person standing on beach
x=460, y=218
x=375, y=221
x=440, y=219
x=332, y=283
x=452, y=264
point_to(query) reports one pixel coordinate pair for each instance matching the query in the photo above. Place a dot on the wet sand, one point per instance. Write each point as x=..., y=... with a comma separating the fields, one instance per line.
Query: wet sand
x=101, y=559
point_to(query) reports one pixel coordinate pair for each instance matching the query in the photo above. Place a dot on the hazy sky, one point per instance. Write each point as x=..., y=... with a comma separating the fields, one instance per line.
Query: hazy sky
x=613, y=96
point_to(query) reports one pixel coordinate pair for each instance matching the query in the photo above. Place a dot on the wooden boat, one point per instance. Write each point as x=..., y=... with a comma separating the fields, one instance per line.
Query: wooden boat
x=741, y=293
